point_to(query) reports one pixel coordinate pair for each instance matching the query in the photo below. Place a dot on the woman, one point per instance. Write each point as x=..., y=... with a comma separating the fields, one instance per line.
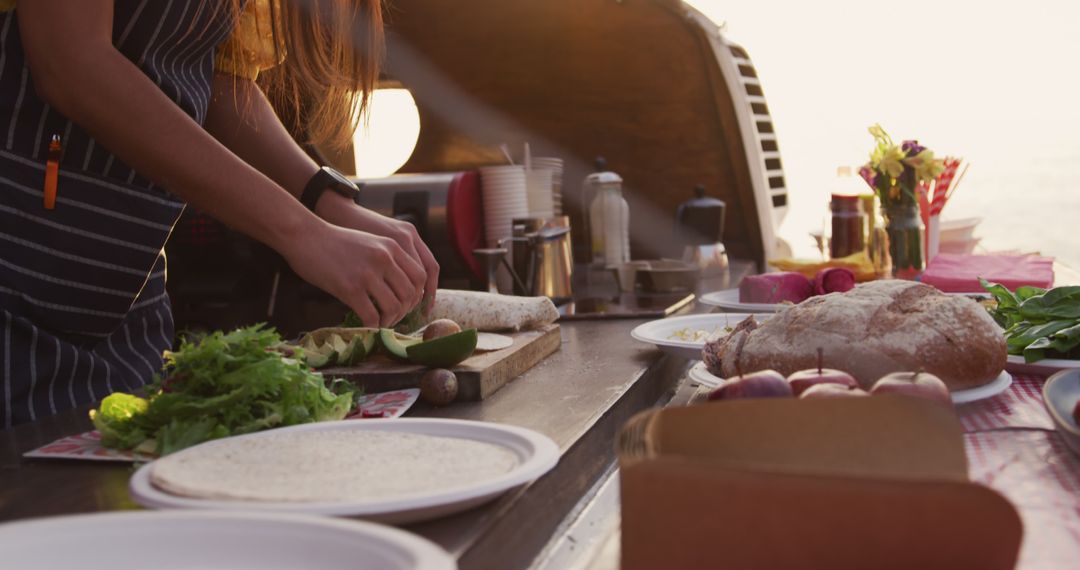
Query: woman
x=155, y=104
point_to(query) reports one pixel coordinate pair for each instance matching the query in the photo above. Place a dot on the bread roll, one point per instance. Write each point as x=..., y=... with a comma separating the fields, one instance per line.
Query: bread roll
x=872, y=330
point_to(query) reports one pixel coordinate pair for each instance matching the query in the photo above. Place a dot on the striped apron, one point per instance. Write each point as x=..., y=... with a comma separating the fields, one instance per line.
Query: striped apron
x=83, y=308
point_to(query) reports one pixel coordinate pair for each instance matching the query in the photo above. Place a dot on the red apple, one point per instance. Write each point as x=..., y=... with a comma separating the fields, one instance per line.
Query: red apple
x=802, y=380
x=918, y=384
x=761, y=384
x=831, y=390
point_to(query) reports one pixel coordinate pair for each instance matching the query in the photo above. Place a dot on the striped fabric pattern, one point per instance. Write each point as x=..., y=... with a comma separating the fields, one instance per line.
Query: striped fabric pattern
x=83, y=308
x=1013, y=447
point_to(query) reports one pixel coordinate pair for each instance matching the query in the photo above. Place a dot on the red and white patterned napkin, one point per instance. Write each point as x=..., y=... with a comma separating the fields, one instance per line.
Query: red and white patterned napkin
x=1013, y=448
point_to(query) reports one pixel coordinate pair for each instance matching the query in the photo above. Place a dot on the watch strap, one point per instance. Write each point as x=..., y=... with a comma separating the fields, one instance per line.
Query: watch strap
x=327, y=179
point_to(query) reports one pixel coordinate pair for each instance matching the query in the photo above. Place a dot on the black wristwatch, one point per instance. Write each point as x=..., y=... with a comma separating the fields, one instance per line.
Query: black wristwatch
x=327, y=179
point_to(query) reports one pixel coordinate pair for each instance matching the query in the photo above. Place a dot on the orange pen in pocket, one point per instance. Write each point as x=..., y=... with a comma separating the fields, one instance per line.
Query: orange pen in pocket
x=52, y=172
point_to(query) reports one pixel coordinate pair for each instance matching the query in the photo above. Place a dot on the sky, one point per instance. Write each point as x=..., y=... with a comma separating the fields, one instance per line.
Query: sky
x=993, y=82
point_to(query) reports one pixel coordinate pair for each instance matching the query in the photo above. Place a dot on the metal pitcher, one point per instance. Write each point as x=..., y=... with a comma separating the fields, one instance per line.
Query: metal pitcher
x=542, y=260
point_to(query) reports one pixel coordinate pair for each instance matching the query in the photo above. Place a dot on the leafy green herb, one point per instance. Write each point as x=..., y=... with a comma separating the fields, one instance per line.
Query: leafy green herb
x=407, y=325
x=220, y=385
x=1038, y=323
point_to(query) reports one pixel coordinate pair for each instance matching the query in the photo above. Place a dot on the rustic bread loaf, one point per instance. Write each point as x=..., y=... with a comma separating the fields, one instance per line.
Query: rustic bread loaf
x=872, y=330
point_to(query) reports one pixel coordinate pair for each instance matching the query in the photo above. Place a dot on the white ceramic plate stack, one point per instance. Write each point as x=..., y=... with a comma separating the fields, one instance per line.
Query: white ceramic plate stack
x=192, y=539
x=504, y=197
x=555, y=165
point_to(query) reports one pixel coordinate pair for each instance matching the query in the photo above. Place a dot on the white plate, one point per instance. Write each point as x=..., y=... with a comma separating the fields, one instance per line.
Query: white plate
x=729, y=299
x=660, y=332
x=536, y=453
x=234, y=540
x=1016, y=365
x=995, y=387
x=1060, y=394
x=698, y=373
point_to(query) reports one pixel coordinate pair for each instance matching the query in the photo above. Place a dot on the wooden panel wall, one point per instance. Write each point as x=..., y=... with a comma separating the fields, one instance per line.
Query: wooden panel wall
x=633, y=81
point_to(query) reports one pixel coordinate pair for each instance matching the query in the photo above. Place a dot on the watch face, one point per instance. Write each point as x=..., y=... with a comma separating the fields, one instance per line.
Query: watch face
x=338, y=177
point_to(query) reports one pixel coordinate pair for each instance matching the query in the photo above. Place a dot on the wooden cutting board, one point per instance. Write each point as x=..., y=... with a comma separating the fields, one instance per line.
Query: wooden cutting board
x=481, y=375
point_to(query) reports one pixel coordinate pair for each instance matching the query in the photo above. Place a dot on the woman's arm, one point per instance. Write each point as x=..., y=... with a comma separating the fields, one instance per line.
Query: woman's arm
x=242, y=119
x=84, y=77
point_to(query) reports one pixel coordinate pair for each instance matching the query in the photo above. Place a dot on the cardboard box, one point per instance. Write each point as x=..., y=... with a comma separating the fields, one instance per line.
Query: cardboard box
x=859, y=483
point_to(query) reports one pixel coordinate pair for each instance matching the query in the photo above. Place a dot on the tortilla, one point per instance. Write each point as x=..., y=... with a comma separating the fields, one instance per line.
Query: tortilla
x=490, y=342
x=339, y=465
x=492, y=312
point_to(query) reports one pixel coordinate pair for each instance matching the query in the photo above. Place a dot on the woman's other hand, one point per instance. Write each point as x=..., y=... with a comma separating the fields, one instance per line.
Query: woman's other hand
x=343, y=212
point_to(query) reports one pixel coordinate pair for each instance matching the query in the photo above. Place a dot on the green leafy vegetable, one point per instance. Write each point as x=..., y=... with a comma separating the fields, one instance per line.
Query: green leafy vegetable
x=1038, y=323
x=408, y=324
x=220, y=385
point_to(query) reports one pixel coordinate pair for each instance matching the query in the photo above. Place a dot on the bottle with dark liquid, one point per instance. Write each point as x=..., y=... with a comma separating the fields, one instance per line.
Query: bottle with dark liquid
x=848, y=226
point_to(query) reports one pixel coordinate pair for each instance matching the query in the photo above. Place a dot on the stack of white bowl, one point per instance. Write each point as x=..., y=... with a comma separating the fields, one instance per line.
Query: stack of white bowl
x=958, y=236
x=504, y=195
x=555, y=165
x=538, y=193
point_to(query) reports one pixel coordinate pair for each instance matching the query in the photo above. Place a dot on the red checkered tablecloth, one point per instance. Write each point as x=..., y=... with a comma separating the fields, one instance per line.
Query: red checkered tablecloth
x=1012, y=447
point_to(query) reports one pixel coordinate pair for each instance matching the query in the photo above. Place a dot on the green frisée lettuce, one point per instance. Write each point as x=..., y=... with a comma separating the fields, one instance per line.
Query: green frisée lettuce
x=220, y=385
x=1038, y=323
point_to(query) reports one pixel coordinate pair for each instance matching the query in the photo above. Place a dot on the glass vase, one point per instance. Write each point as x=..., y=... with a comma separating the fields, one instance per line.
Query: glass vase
x=904, y=228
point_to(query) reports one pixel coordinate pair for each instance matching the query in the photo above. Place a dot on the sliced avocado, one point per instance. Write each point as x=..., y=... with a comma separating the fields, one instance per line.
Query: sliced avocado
x=342, y=348
x=396, y=344
x=320, y=356
x=368, y=340
x=444, y=352
x=316, y=360
x=361, y=346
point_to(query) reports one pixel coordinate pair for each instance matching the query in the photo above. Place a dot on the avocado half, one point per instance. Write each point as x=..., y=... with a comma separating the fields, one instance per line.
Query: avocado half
x=443, y=352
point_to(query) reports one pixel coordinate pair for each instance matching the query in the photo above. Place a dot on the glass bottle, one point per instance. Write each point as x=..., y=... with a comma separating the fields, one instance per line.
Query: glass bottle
x=905, y=229
x=609, y=220
x=848, y=226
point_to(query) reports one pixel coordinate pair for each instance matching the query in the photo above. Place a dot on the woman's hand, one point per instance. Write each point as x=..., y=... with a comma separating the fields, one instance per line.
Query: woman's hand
x=343, y=212
x=256, y=135
x=371, y=274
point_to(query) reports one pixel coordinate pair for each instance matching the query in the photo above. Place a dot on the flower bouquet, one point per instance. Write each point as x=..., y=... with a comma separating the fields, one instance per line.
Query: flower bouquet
x=900, y=175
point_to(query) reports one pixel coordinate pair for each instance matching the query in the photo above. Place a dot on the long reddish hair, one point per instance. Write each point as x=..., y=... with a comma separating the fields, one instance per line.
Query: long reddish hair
x=334, y=52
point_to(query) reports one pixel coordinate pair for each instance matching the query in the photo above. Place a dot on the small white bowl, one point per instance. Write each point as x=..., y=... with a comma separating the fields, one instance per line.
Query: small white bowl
x=958, y=230
x=1060, y=394
x=964, y=246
